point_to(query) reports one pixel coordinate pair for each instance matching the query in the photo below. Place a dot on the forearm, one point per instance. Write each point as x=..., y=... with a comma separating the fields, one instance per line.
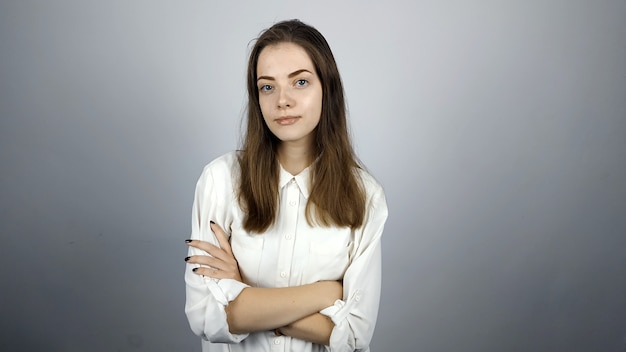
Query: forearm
x=259, y=309
x=315, y=328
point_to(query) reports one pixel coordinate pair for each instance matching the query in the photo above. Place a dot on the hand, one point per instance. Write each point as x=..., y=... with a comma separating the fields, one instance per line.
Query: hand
x=220, y=263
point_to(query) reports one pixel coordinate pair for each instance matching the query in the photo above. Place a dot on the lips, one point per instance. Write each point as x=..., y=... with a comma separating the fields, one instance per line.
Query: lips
x=286, y=120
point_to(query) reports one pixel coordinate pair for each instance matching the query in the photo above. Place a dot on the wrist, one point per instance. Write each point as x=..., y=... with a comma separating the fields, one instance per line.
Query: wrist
x=332, y=291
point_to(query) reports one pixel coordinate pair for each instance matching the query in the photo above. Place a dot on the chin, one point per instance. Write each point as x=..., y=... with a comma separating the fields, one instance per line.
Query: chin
x=289, y=137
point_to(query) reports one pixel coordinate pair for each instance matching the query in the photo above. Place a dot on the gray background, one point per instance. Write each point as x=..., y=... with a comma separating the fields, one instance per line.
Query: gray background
x=497, y=128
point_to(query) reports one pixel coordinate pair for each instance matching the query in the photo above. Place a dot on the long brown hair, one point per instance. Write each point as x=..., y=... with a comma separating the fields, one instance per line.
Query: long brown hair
x=337, y=196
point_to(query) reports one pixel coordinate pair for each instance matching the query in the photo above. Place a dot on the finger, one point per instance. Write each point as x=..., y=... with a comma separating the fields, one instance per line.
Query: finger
x=219, y=253
x=213, y=273
x=213, y=251
x=214, y=263
x=204, y=271
x=202, y=245
x=221, y=237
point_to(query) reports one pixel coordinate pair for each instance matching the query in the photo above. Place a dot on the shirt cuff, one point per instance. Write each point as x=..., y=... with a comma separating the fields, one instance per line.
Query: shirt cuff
x=226, y=290
x=340, y=310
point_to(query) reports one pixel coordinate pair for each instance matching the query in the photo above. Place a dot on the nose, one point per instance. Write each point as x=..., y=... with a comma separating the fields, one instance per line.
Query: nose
x=284, y=99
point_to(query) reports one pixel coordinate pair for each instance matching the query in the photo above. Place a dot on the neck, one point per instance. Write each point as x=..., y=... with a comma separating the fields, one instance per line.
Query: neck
x=294, y=158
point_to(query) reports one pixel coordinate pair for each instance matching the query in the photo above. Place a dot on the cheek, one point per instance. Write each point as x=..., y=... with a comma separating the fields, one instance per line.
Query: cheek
x=318, y=104
x=265, y=108
x=318, y=97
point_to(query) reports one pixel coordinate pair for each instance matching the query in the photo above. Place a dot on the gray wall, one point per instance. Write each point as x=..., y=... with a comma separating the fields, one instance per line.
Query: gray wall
x=498, y=131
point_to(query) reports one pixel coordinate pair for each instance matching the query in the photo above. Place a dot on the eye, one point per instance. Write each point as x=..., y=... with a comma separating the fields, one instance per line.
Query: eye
x=302, y=83
x=265, y=88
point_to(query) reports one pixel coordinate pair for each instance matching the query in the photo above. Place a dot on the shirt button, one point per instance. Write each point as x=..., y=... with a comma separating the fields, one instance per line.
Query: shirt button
x=276, y=341
x=288, y=237
x=293, y=180
x=292, y=203
x=283, y=274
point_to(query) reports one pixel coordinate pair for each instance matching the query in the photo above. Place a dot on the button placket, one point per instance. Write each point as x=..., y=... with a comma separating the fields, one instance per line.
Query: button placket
x=292, y=197
x=277, y=344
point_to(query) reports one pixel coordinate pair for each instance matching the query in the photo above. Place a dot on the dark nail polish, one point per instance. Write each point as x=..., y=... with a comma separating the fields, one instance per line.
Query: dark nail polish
x=188, y=241
x=187, y=259
x=194, y=269
x=212, y=222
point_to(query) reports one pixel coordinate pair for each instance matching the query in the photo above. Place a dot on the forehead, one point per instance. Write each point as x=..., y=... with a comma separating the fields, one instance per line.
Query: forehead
x=283, y=58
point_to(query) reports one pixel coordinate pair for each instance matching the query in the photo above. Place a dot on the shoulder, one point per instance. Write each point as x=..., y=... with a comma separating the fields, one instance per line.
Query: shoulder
x=220, y=170
x=223, y=164
x=376, y=210
x=374, y=192
x=370, y=184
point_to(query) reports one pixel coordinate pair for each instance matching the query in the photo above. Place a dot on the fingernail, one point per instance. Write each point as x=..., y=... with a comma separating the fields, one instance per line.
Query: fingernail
x=194, y=269
x=212, y=222
x=187, y=259
x=188, y=241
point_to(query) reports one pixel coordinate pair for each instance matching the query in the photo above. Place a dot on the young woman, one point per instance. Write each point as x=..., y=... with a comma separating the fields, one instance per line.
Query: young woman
x=285, y=249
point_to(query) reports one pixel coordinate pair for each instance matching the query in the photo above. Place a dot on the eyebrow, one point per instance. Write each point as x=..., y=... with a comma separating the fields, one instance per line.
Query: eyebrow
x=291, y=75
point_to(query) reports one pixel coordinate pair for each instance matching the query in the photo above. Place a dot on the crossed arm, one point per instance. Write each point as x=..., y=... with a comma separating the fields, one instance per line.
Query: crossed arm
x=292, y=311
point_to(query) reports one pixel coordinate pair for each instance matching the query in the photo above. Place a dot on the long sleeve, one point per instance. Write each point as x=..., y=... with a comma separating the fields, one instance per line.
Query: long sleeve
x=355, y=316
x=206, y=298
x=292, y=252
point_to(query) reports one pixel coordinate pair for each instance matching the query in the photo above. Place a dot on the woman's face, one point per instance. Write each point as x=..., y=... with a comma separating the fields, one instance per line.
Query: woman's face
x=290, y=93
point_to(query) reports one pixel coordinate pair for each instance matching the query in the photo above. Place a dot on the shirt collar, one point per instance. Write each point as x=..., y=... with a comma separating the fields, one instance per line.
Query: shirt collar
x=302, y=180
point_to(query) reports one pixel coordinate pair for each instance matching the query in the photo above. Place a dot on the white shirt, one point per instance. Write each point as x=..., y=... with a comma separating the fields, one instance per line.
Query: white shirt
x=289, y=253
